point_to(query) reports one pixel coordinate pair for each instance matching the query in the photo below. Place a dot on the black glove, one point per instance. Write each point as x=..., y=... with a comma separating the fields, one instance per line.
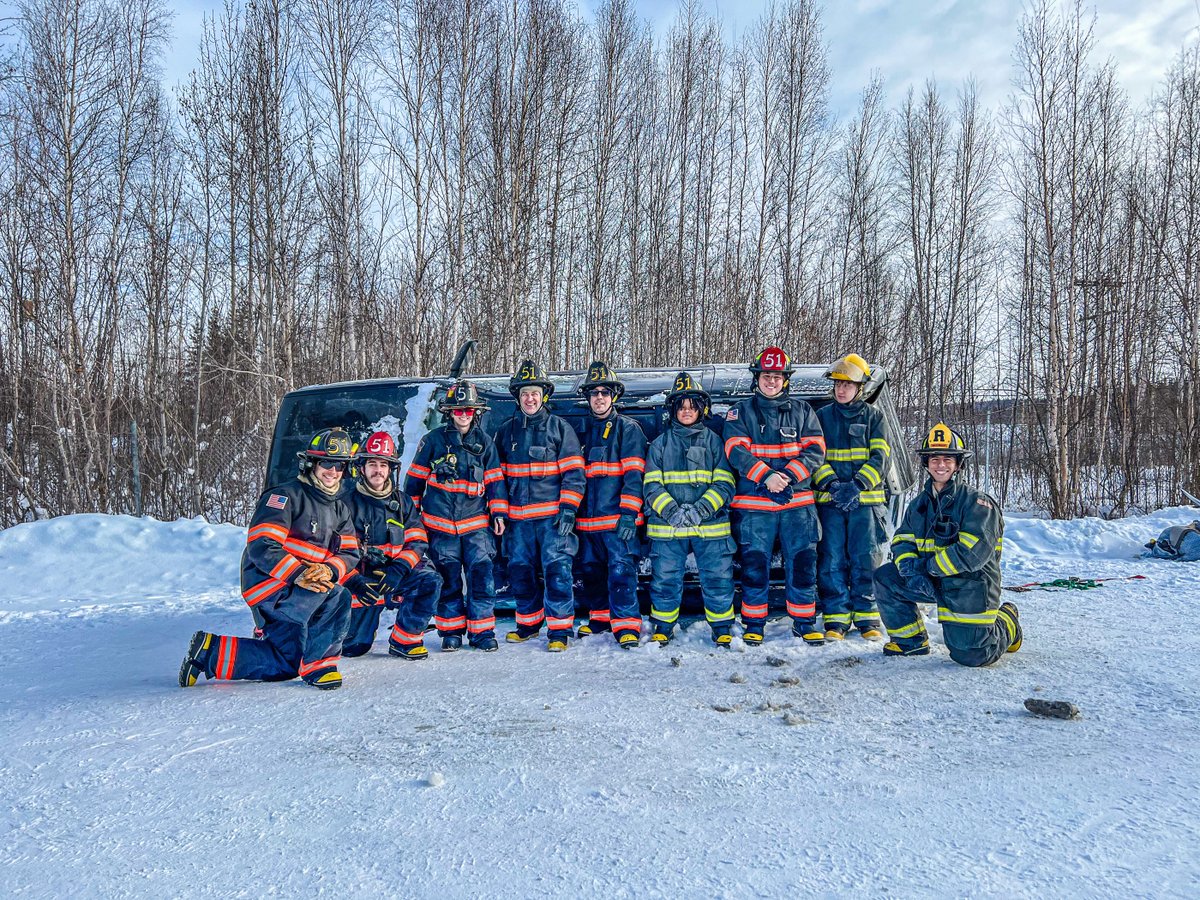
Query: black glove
x=394, y=576
x=626, y=528
x=782, y=497
x=565, y=521
x=691, y=516
x=365, y=592
x=910, y=566
x=375, y=557
x=921, y=587
x=677, y=518
x=704, y=510
x=445, y=468
x=845, y=495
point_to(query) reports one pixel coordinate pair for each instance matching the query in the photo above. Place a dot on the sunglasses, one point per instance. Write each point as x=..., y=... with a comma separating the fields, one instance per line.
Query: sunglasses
x=462, y=412
x=600, y=392
x=331, y=464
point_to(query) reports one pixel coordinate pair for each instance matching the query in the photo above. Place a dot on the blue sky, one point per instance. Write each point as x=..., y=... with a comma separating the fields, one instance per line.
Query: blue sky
x=906, y=40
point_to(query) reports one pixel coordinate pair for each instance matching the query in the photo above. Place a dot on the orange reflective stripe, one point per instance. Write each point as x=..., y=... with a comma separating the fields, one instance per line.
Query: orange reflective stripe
x=557, y=623
x=570, y=463
x=533, y=511
x=449, y=624
x=736, y=441
x=597, y=523
x=307, y=668
x=600, y=615
x=802, y=611
x=404, y=637
x=226, y=656
x=573, y=498
x=602, y=469
x=619, y=624
x=348, y=543
x=410, y=557
x=422, y=472
x=306, y=551
x=498, y=506
x=758, y=471
x=267, y=530
x=415, y=534
x=478, y=626
x=261, y=592
x=339, y=567
x=797, y=468
x=528, y=619
x=631, y=503
x=468, y=488
x=491, y=476
x=285, y=567
x=748, y=501
x=754, y=612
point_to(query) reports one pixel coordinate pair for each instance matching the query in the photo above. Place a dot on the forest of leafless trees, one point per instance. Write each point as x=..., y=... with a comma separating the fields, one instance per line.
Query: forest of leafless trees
x=346, y=189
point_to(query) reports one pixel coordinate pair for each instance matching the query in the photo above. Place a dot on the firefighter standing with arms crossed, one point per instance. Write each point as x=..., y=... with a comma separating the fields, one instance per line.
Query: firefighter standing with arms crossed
x=774, y=443
x=851, y=502
x=543, y=471
x=300, y=547
x=614, y=452
x=947, y=552
x=456, y=478
x=394, y=571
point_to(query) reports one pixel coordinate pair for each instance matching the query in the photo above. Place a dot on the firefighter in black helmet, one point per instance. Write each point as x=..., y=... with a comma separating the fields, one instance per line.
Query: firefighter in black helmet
x=543, y=470
x=947, y=552
x=300, y=548
x=614, y=453
x=456, y=477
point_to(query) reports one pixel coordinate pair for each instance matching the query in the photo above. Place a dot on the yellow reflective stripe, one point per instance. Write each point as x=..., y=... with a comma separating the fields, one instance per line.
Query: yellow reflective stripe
x=670, y=617
x=661, y=502
x=881, y=444
x=693, y=476
x=999, y=546
x=925, y=545
x=652, y=475
x=869, y=498
x=844, y=454
x=987, y=617
x=714, y=499
x=823, y=471
x=943, y=562
x=906, y=536
x=907, y=631
x=722, y=617
x=904, y=556
x=967, y=539
x=837, y=618
x=872, y=474
x=707, y=530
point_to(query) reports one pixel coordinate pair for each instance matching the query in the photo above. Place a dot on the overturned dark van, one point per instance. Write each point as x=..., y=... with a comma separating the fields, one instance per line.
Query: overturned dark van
x=407, y=408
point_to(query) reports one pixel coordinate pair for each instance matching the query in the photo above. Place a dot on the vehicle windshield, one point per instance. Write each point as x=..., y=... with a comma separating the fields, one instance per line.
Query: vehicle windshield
x=402, y=410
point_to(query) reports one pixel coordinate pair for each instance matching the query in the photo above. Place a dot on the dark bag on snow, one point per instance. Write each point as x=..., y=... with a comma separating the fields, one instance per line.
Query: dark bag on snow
x=1180, y=543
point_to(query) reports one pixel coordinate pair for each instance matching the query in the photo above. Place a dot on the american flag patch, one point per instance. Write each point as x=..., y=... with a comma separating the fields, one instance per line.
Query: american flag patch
x=731, y=415
x=277, y=501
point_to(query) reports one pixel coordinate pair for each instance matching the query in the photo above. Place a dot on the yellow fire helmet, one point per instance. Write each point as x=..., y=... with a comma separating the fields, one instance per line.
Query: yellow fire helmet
x=943, y=440
x=850, y=367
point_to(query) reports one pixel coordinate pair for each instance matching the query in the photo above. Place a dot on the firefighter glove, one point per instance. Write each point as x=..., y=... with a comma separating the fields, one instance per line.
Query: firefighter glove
x=375, y=557
x=364, y=591
x=565, y=521
x=845, y=495
x=396, y=573
x=626, y=528
x=690, y=516
x=316, y=577
x=910, y=566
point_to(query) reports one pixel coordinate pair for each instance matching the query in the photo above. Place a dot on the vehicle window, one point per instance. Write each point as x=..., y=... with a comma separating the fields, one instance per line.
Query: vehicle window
x=360, y=409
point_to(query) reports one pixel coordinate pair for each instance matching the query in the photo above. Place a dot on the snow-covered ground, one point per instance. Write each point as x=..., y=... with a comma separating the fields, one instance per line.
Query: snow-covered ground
x=597, y=772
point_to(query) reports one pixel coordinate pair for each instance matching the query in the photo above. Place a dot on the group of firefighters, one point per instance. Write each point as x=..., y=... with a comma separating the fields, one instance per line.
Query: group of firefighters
x=326, y=553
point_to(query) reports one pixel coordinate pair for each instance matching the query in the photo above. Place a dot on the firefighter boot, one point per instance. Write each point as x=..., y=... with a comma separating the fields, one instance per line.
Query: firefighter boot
x=752, y=635
x=809, y=631
x=557, y=642
x=451, y=643
x=485, y=641
x=835, y=632
x=627, y=640
x=662, y=634
x=920, y=648
x=1009, y=616
x=329, y=679
x=590, y=628
x=408, y=651
x=195, y=663
x=521, y=635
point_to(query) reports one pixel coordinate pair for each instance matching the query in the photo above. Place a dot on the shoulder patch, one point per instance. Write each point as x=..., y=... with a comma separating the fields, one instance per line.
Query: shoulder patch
x=983, y=501
x=732, y=414
x=277, y=501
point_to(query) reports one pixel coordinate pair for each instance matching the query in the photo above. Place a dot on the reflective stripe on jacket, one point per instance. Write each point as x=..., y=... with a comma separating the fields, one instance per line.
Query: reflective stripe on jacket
x=614, y=453
x=542, y=465
x=687, y=464
x=390, y=523
x=856, y=449
x=462, y=503
x=293, y=525
x=764, y=436
x=960, y=534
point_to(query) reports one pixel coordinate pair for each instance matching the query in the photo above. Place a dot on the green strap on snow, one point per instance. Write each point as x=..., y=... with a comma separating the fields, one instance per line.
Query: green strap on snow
x=1080, y=584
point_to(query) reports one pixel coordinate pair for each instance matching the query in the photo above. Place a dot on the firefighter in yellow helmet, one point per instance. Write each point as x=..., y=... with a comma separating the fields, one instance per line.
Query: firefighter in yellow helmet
x=851, y=502
x=947, y=552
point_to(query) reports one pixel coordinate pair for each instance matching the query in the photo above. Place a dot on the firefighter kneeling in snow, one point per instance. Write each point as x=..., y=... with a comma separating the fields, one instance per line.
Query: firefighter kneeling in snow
x=947, y=552
x=614, y=452
x=394, y=571
x=687, y=485
x=300, y=547
x=456, y=477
